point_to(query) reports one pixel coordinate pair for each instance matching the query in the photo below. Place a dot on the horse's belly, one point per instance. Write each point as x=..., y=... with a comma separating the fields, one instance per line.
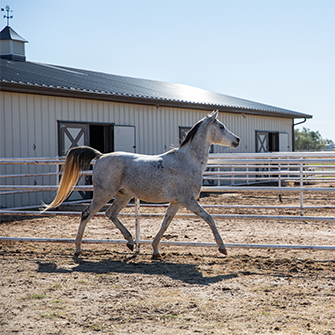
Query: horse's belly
x=151, y=193
x=164, y=190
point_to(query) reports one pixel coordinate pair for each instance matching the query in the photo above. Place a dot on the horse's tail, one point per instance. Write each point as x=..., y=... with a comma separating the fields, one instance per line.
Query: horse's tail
x=77, y=159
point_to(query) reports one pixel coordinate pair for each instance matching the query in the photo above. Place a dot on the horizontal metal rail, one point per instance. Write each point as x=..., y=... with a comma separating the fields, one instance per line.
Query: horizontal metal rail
x=182, y=215
x=174, y=243
x=273, y=161
x=209, y=189
x=146, y=205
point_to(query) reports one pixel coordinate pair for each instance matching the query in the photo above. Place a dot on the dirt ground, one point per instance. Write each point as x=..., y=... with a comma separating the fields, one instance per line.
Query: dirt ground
x=109, y=289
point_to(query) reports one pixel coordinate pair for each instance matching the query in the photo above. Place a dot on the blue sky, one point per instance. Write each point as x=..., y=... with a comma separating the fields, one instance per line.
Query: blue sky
x=281, y=53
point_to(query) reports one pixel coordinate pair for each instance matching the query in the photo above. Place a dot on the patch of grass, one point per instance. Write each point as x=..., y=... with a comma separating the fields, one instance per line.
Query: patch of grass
x=57, y=304
x=57, y=286
x=52, y=316
x=58, y=301
x=98, y=328
x=118, y=286
x=35, y=296
x=103, y=275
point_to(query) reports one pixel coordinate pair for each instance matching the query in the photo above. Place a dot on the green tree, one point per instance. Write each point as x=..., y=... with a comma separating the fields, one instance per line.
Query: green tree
x=308, y=140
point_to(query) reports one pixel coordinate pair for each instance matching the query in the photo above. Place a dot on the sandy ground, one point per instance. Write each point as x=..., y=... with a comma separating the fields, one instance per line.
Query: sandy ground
x=109, y=289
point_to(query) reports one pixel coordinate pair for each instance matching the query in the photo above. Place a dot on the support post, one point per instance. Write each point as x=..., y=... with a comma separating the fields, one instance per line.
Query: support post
x=301, y=193
x=232, y=177
x=279, y=181
x=137, y=226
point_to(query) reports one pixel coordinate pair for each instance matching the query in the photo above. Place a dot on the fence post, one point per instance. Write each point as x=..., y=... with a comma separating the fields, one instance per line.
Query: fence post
x=137, y=226
x=279, y=181
x=301, y=176
x=57, y=170
x=232, y=183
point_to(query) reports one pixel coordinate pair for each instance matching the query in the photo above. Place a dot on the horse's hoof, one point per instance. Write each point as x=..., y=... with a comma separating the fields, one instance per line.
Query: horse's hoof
x=223, y=251
x=156, y=256
x=77, y=253
x=130, y=246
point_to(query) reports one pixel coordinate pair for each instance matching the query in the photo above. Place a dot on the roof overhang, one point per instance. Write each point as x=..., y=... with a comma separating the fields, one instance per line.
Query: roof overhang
x=27, y=88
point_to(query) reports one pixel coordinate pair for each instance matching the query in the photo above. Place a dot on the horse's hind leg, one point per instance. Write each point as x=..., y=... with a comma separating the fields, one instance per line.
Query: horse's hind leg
x=169, y=215
x=86, y=215
x=121, y=200
x=194, y=207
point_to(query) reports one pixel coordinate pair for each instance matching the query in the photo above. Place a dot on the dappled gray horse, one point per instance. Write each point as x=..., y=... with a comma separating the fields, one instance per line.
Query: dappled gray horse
x=174, y=177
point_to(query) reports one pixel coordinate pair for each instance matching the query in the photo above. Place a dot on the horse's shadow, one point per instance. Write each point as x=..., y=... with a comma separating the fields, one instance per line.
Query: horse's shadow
x=187, y=273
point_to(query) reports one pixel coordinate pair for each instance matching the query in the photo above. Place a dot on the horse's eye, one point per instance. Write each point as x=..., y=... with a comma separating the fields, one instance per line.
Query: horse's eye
x=222, y=126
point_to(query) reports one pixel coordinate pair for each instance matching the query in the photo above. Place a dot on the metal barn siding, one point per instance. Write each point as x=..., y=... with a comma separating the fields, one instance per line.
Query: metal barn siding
x=28, y=128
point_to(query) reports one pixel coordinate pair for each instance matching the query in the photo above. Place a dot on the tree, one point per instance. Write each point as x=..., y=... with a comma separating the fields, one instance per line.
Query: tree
x=330, y=143
x=308, y=140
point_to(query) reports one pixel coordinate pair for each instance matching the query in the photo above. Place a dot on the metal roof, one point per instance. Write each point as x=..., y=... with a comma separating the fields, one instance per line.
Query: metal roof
x=48, y=79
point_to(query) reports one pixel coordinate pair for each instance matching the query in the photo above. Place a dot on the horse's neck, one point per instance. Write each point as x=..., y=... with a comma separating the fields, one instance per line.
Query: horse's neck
x=197, y=151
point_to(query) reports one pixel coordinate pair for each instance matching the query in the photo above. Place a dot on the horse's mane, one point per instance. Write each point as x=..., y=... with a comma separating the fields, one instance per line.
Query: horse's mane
x=191, y=134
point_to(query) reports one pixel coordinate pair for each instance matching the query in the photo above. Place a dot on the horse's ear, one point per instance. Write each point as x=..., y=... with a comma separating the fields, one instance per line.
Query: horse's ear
x=214, y=115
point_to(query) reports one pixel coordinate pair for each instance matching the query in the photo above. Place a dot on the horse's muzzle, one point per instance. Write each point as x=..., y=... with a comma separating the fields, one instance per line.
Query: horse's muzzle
x=237, y=142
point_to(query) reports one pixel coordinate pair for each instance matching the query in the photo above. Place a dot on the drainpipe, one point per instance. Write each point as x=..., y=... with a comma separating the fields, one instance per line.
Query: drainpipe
x=295, y=124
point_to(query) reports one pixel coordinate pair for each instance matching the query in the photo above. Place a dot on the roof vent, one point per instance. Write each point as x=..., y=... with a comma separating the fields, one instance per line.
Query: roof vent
x=11, y=43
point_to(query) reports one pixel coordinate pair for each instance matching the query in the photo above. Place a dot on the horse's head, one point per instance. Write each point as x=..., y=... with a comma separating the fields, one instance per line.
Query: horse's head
x=218, y=133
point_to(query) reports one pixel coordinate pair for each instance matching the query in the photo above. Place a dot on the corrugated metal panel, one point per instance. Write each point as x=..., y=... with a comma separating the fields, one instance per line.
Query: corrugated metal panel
x=28, y=128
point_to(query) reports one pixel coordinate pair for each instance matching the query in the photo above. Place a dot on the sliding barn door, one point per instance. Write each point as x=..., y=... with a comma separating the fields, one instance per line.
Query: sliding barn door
x=71, y=135
x=262, y=141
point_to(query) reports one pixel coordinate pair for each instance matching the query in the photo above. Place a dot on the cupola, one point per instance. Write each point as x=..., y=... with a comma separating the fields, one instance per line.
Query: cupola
x=11, y=43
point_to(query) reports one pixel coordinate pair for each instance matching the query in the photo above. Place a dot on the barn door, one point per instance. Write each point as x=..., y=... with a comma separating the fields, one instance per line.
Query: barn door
x=262, y=141
x=284, y=144
x=124, y=138
x=71, y=135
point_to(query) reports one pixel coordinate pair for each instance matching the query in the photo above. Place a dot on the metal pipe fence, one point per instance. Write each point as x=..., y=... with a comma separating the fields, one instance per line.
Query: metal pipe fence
x=290, y=172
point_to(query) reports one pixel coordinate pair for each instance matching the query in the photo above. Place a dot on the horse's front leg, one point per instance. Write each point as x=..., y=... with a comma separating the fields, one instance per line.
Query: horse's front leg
x=194, y=207
x=170, y=213
x=121, y=200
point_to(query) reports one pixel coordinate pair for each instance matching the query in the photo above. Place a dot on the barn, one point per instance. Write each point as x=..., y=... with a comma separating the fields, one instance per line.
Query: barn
x=46, y=109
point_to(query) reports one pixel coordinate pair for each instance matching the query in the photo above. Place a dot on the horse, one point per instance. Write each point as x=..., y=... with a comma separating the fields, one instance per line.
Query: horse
x=174, y=177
